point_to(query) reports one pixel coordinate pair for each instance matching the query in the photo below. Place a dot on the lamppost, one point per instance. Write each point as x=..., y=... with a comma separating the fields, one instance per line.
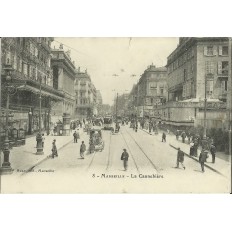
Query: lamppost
x=6, y=166
x=30, y=122
x=39, y=137
x=204, y=140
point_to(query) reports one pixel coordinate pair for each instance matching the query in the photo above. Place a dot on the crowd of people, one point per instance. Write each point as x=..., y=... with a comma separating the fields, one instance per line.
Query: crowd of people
x=194, y=140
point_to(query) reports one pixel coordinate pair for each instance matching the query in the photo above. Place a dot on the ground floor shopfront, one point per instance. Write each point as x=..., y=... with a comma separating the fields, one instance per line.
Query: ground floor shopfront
x=24, y=107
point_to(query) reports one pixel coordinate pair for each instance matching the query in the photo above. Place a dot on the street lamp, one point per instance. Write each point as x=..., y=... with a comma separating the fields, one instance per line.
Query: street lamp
x=204, y=140
x=6, y=166
x=30, y=122
x=39, y=137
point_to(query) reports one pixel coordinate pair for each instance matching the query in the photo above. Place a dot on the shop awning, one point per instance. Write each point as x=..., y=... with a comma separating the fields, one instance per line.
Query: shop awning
x=37, y=91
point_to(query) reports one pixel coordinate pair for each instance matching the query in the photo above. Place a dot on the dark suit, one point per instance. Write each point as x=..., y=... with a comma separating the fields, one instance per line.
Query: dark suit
x=125, y=157
x=202, y=159
x=180, y=159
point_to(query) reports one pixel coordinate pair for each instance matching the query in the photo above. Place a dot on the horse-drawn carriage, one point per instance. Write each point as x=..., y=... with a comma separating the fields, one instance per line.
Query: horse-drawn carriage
x=96, y=142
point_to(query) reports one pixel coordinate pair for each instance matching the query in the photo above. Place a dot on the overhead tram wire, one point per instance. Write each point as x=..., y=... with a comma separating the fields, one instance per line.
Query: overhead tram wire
x=74, y=49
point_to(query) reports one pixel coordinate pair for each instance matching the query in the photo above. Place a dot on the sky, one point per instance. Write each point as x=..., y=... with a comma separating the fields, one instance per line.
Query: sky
x=104, y=57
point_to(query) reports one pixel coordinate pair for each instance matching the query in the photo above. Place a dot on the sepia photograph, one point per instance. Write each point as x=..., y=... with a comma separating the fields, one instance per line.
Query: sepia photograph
x=115, y=115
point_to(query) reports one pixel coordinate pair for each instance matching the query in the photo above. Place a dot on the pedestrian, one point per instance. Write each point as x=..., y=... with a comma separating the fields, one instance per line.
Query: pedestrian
x=191, y=153
x=180, y=158
x=54, y=149
x=177, y=134
x=75, y=137
x=82, y=150
x=202, y=159
x=43, y=139
x=196, y=144
x=213, y=152
x=164, y=137
x=125, y=157
x=183, y=135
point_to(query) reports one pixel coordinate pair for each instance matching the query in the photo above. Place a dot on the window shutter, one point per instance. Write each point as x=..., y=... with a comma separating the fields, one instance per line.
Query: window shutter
x=207, y=86
x=25, y=69
x=219, y=67
x=220, y=51
x=214, y=50
x=20, y=65
x=222, y=86
x=205, y=50
x=211, y=86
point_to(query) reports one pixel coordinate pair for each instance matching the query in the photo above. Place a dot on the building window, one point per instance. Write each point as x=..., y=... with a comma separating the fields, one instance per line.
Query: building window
x=223, y=50
x=209, y=67
x=185, y=74
x=161, y=91
x=210, y=50
x=224, y=86
x=153, y=89
x=209, y=88
x=223, y=67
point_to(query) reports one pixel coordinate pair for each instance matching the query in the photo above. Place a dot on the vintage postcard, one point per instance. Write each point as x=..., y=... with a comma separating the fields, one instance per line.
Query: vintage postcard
x=115, y=115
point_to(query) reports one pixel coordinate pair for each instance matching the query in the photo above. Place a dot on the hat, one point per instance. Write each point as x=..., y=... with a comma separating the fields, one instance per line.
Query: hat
x=54, y=139
x=124, y=149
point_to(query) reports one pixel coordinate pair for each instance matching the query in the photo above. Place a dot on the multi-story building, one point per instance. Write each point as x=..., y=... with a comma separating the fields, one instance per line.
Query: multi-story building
x=152, y=90
x=86, y=95
x=64, y=73
x=93, y=99
x=197, y=67
x=30, y=60
x=121, y=105
x=132, y=101
x=99, y=102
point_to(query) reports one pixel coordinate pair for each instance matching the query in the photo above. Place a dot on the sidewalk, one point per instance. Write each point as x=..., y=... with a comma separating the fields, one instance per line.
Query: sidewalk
x=222, y=161
x=24, y=158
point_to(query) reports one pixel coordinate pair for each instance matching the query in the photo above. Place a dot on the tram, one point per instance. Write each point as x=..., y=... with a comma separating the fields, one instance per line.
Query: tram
x=108, y=123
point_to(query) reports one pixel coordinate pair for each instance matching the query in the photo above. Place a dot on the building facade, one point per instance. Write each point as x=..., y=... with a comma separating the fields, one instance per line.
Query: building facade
x=30, y=60
x=198, y=67
x=86, y=96
x=64, y=73
x=152, y=90
x=99, y=103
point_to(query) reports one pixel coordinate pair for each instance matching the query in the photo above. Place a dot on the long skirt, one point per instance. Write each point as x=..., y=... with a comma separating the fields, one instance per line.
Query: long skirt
x=125, y=164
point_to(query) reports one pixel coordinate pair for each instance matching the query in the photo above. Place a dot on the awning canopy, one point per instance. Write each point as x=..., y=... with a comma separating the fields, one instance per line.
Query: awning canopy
x=37, y=91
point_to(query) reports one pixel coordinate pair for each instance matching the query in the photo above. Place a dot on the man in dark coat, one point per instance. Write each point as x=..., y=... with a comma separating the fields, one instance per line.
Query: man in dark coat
x=180, y=158
x=125, y=157
x=75, y=137
x=183, y=135
x=82, y=150
x=213, y=152
x=163, y=137
x=54, y=149
x=202, y=159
